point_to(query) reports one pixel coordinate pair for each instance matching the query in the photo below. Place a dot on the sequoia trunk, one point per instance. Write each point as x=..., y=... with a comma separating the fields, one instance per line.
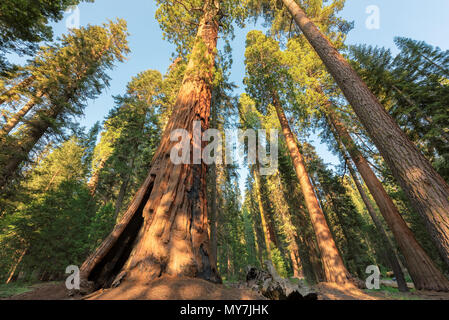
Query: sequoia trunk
x=267, y=225
x=426, y=190
x=388, y=248
x=334, y=268
x=165, y=229
x=424, y=273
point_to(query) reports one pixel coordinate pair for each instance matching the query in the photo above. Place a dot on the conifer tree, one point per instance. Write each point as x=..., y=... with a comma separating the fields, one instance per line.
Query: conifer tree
x=424, y=187
x=173, y=196
x=263, y=72
x=25, y=23
x=69, y=73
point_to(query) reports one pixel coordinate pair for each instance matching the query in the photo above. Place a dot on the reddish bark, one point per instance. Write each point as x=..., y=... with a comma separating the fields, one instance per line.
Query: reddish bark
x=424, y=273
x=267, y=224
x=165, y=229
x=424, y=187
x=334, y=268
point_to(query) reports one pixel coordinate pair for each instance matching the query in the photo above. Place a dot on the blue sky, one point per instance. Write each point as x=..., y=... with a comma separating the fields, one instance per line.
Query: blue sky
x=421, y=20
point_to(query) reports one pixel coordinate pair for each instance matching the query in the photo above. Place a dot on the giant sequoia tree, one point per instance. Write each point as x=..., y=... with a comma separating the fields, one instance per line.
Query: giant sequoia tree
x=313, y=80
x=165, y=229
x=424, y=187
x=264, y=70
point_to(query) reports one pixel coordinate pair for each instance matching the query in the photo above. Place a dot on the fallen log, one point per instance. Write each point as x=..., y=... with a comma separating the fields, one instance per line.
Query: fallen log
x=274, y=287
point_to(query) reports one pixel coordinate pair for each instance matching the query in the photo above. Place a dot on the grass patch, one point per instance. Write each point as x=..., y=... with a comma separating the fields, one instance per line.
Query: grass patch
x=393, y=293
x=15, y=288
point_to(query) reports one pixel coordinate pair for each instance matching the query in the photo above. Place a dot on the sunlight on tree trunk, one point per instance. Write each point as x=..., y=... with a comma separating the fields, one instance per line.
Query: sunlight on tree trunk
x=424, y=187
x=334, y=268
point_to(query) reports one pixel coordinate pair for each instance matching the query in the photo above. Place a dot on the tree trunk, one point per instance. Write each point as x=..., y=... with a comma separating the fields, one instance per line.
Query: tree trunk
x=121, y=195
x=12, y=122
x=296, y=260
x=258, y=241
x=424, y=273
x=213, y=216
x=35, y=129
x=95, y=178
x=426, y=190
x=290, y=233
x=8, y=95
x=334, y=268
x=14, y=268
x=52, y=180
x=268, y=228
x=165, y=229
x=388, y=247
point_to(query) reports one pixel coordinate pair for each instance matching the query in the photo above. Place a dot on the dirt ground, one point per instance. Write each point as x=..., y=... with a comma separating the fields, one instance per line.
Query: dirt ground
x=197, y=289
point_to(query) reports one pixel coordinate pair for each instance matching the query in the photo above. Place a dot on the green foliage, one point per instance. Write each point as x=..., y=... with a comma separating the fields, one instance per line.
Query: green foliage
x=58, y=224
x=414, y=88
x=323, y=13
x=12, y=289
x=24, y=23
x=129, y=139
x=233, y=257
x=179, y=19
x=67, y=74
x=279, y=262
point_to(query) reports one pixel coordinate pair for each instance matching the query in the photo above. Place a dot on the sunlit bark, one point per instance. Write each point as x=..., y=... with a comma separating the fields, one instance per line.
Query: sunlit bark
x=334, y=268
x=388, y=247
x=424, y=187
x=424, y=273
x=169, y=212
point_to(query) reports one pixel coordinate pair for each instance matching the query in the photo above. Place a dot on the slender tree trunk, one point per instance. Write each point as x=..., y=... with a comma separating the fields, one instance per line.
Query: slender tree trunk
x=12, y=122
x=52, y=180
x=170, y=209
x=259, y=241
x=8, y=95
x=311, y=255
x=121, y=195
x=213, y=216
x=296, y=260
x=14, y=268
x=426, y=190
x=257, y=245
x=268, y=229
x=291, y=233
x=424, y=273
x=388, y=247
x=334, y=268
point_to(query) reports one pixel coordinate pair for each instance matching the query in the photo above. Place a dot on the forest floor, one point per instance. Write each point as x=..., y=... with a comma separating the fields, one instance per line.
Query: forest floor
x=196, y=289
